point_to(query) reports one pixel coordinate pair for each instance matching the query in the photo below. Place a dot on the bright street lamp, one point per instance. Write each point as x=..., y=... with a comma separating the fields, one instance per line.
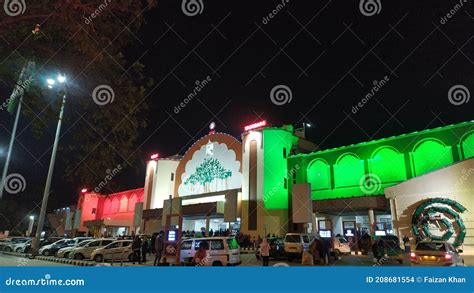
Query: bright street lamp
x=35, y=243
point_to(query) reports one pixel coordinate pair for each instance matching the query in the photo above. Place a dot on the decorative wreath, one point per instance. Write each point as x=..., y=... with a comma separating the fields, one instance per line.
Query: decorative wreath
x=443, y=212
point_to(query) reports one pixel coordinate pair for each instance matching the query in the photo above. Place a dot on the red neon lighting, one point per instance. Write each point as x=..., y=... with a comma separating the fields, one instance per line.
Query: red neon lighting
x=256, y=125
x=154, y=156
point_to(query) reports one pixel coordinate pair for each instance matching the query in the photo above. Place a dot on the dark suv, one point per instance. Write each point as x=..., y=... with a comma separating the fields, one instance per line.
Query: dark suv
x=277, y=249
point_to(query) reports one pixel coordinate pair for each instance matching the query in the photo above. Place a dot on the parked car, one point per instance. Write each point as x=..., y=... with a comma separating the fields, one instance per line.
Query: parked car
x=50, y=249
x=65, y=251
x=277, y=249
x=42, y=243
x=436, y=253
x=116, y=251
x=222, y=251
x=392, y=249
x=340, y=246
x=296, y=243
x=85, y=252
x=18, y=247
x=12, y=244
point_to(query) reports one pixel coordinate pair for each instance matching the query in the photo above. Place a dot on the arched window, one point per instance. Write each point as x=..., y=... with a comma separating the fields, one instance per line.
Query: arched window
x=348, y=171
x=115, y=206
x=107, y=206
x=388, y=165
x=131, y=203
x=468, y=146
x=318, y=175
x=123, y=204
x=430, y=155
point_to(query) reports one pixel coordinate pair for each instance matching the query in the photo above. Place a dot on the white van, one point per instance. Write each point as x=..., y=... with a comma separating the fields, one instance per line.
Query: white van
x=295, y=243
x=223, y=251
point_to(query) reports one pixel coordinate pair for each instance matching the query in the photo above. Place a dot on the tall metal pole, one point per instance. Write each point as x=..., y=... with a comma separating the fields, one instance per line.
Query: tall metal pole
x=44, y=204
x=10, y=147
x=12, y=138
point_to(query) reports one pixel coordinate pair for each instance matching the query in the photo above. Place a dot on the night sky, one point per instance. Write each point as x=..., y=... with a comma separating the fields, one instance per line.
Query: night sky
x=327, y=53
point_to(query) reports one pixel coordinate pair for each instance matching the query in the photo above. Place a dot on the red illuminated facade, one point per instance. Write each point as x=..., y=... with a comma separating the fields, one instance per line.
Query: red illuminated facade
x=109, y=215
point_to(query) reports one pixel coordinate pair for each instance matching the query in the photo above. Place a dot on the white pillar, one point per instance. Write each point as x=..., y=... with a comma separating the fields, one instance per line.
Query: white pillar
x=372, y=221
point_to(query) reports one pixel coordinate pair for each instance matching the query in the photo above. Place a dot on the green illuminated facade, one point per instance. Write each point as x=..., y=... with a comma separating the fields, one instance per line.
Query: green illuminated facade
x=366, y=169
x=278, y=145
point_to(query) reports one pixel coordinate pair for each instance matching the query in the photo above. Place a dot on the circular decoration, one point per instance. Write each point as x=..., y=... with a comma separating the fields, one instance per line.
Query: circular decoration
x=442, y=213
x=212, y=126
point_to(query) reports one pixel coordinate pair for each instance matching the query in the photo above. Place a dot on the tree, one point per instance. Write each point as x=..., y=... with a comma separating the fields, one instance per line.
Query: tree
x=87, y=42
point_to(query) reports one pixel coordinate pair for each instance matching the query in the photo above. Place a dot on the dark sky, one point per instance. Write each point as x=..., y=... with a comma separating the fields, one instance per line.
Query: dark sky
x=326, y=52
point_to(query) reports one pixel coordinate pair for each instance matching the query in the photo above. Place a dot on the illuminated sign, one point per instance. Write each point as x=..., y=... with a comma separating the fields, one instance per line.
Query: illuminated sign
x=154, y=156
x=172, y=235
x=325, y=233
x=380, y=233
x=260, y=124
x=349, y=233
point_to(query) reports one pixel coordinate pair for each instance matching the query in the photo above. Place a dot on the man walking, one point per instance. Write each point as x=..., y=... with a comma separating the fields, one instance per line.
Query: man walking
x=159, y=247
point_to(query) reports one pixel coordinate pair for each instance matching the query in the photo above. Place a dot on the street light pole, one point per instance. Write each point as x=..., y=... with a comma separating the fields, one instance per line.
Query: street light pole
x=44, y=204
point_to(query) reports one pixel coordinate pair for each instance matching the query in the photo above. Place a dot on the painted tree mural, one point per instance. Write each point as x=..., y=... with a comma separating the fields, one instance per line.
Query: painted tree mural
x=209, y=171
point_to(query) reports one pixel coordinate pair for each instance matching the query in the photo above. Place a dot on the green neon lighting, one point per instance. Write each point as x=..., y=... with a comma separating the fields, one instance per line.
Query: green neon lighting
x=275, y=141
x=319, y=175
x=388, y=164
x=468, y=146
x=348, y=171
x=343, y=172
x=431, y=155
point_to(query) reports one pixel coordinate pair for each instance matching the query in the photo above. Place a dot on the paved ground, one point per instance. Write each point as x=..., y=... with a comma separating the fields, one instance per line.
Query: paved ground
x=10, y=260
x=247, y=260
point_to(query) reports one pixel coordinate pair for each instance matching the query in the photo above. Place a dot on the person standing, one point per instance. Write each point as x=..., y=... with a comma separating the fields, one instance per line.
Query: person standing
x=200, y=257
x=265, y=251
x=136, y=246
x=406, y=244
x=159, y=247
x=144, y=248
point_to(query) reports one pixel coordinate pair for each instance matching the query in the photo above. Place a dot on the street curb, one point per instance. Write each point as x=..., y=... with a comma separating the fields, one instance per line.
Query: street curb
x=54, y=259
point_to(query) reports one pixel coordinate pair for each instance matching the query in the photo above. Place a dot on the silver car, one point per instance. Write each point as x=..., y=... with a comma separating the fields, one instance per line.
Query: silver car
x=436, y=253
